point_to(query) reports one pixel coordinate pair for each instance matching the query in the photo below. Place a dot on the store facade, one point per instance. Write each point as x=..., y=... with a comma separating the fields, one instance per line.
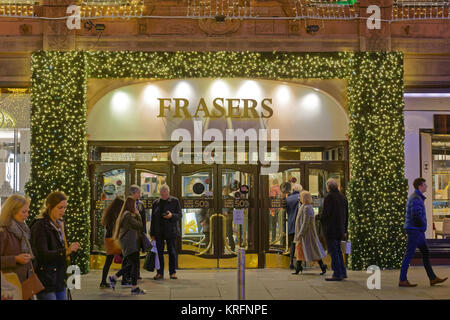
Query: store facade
x=99, y=143
x=131, y=141
x=427, y=154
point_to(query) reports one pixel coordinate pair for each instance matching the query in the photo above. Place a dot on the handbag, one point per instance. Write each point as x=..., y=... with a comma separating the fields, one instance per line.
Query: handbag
x=149, y=263
x=299, y=252
x=112, y=246
x=32, y=285
x=118, y=259
x=145, y=242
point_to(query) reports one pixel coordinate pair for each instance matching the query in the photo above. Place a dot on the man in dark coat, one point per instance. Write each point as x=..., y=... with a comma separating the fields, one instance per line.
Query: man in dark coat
x=335, y=222
x=415, y=226
x=292, y=202
x=165, y=226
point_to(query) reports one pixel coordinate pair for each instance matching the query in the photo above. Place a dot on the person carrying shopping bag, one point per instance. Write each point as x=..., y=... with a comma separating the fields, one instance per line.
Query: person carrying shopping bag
x=128, y=230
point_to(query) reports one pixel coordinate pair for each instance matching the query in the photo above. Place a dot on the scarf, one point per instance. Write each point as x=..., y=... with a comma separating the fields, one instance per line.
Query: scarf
x=23, y=233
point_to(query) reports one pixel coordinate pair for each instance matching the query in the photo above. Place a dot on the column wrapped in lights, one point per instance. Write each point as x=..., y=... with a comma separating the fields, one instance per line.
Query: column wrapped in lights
x=377, y=189
x=58, y=142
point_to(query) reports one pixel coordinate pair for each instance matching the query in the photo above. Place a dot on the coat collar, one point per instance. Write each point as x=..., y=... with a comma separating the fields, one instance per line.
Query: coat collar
x=420, y=194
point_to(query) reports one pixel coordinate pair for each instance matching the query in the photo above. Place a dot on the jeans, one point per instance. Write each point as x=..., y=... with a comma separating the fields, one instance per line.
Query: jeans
x=60, y=295
x=337, y=261
x=172, y=255
x=416, y=239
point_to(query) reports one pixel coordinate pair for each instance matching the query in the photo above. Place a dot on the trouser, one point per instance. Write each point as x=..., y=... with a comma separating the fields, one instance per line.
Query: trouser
x=292, y=248
x=229, y=226
x=172, y=255
x=282, y=226
x=337, y=261
x=274, y=220
x=58, y=295
x=416, y=239
x=108, y=261
x=130, y=268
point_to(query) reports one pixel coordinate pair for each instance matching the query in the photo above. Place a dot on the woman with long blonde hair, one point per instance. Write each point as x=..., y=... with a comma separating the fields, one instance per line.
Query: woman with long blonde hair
x=15, y=247
x=128, y=230
x=307, y=241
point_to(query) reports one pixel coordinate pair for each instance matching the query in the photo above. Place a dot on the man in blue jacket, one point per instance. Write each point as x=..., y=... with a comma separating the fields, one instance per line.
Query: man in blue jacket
x=415, y=226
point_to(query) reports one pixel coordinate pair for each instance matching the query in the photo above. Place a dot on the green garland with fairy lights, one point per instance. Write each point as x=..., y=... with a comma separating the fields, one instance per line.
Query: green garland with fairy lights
x=377, y=190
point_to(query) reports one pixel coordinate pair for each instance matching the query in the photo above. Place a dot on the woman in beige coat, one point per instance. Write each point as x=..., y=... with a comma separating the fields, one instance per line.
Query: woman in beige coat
x=308, y=246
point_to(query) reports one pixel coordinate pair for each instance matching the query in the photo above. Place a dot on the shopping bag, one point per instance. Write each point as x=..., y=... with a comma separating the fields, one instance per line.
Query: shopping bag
x=112, y=246
x=145, y=242
x=149, y=263
x=299, y=252
x=152, y=259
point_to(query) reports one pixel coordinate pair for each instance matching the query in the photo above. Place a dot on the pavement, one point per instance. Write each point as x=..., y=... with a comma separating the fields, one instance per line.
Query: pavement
x=269, y=284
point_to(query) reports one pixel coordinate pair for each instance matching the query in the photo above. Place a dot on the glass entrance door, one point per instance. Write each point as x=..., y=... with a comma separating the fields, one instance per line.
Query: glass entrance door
x=108, y=181
x=275, y=190
x=218, y=214
x=150, y=178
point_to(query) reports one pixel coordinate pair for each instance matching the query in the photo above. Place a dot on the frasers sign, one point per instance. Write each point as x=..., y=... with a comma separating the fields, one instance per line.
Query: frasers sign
x=216, y=108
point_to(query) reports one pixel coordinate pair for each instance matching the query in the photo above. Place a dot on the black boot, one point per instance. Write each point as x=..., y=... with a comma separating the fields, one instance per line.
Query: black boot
x=298, y=267
x=323, y=267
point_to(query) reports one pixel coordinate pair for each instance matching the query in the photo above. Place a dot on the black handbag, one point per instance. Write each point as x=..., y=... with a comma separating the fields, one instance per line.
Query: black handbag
x=149, y=263
x=146, y=245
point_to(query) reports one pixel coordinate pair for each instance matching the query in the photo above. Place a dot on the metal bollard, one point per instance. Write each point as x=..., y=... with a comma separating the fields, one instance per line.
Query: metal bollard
x=241, y=273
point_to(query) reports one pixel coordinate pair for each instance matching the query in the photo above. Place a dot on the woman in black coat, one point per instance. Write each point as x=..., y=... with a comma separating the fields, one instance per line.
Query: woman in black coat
x=49, y=245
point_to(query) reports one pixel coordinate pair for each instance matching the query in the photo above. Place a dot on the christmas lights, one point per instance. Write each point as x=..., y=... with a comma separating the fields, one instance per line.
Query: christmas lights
x=377, y=190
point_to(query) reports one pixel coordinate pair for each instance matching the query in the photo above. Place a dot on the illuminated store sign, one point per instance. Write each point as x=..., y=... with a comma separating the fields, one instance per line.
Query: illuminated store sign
x=221, y=108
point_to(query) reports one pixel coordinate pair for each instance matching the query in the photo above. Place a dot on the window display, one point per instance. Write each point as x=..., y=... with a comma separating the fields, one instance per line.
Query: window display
x=441, y=180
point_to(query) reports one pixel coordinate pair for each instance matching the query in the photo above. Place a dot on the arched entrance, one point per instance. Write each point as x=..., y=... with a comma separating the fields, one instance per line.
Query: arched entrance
x=130, y=132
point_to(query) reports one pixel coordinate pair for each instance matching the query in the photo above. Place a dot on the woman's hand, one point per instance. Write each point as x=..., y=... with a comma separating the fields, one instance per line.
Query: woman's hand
x=74, y=247
x=23, y=258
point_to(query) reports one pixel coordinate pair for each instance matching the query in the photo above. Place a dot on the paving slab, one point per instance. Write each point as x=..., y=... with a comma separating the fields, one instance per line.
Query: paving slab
x=269, y=284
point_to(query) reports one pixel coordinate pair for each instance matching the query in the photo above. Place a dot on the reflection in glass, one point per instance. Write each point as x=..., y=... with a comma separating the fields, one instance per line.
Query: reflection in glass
x=441, y=184
x=197, y=185
x=196, y=221
x=108, y=184
x=150, y=183
x=196, y=231
x=279, y=188
x=234, y=234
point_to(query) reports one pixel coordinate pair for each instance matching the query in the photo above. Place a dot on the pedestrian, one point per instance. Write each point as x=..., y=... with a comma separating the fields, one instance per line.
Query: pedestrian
x=49, y=245
x=15, y=247
x=128, y=230
x=415, y=226
x=108, y=221
x=165, y=226
x=306, y=235
x=335, y=222
x=135, y=193
x=292, y=203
